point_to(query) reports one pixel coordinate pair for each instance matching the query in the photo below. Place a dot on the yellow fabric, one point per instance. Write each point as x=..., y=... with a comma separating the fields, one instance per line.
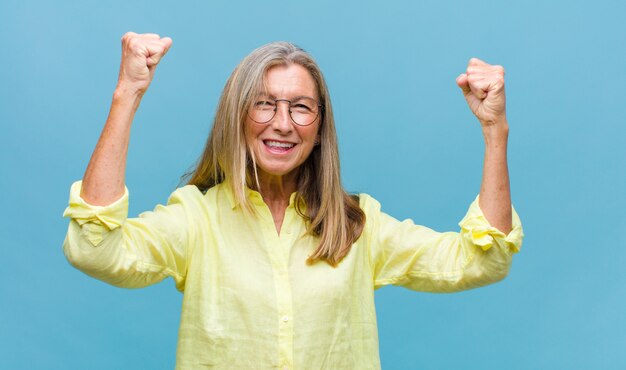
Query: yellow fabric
x=250, y=301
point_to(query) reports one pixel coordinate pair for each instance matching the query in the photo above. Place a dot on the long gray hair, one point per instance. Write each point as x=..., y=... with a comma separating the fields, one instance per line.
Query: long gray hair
x=330, y=212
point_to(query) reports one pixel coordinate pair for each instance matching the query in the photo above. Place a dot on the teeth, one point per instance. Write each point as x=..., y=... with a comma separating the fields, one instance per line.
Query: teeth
x=279, y=144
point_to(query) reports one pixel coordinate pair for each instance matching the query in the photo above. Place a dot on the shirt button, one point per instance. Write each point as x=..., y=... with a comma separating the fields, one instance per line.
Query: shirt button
x=285, y=319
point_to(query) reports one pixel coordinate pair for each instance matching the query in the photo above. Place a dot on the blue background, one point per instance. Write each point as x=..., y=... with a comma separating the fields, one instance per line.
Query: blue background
x=406, y=137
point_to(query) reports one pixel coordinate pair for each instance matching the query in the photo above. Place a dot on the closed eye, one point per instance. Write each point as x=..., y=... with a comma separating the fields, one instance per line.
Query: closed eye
x=264, y=104
x=301, y=107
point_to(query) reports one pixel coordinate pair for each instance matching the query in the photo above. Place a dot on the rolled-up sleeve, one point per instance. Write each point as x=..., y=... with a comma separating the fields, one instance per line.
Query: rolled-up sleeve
x=129, y=252
x=418, y=258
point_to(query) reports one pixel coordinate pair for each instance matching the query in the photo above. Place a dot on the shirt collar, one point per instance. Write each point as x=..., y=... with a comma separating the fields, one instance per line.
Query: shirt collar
x=254, y=196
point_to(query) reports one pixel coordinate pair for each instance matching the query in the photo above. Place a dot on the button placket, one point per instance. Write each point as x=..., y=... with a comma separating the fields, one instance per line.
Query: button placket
x=278, y=248
x=285, y=328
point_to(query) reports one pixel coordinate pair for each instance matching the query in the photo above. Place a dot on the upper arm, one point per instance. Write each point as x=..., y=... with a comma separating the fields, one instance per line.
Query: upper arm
x=416, y=257
x=132, y=252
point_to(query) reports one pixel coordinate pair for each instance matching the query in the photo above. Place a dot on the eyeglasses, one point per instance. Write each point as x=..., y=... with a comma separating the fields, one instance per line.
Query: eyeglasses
x=303, y=111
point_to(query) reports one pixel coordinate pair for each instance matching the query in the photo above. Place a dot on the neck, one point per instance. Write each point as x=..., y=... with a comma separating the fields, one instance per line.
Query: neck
x=277, y=189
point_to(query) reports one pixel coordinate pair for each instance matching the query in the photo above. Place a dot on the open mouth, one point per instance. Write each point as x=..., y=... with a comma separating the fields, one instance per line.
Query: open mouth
x=278, y=146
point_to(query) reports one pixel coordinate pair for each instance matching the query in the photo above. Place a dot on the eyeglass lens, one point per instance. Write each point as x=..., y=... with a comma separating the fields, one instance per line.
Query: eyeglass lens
x=303, y=111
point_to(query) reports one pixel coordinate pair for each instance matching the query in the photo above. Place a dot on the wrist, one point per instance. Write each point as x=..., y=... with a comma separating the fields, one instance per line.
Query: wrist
x=125, y=95
x=496, y=133
x=130, y=89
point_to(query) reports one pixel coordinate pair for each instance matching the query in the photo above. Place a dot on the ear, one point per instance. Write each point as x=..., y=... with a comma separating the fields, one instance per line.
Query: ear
x=317, y=140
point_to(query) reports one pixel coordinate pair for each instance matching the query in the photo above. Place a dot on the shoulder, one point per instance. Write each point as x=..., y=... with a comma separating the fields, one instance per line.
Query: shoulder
x=187, y=193
x=193, y=192
x=372, y=209
x=368, y=204
x=190, y=196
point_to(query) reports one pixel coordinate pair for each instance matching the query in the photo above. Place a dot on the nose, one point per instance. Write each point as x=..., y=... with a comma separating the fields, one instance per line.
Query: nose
x=282, y=118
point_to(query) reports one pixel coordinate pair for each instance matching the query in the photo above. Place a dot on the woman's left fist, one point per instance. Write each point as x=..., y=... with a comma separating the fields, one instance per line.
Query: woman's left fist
x=483, y=87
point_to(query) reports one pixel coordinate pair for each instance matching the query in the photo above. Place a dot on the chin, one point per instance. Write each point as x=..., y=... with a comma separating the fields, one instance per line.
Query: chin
x=275, y=170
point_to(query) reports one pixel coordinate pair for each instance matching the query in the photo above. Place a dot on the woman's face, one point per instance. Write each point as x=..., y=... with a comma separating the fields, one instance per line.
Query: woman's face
x=280, y=146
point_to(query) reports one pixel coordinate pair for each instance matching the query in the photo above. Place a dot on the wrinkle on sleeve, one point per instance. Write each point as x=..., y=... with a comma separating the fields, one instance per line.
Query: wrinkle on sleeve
x=127, y=252
x=419, y=258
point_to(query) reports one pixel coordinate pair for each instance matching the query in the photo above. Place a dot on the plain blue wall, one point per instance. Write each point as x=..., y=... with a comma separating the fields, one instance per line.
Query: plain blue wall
x=406, y=137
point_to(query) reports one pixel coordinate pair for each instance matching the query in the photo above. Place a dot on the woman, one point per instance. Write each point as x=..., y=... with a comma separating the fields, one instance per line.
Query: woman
x=278, y=264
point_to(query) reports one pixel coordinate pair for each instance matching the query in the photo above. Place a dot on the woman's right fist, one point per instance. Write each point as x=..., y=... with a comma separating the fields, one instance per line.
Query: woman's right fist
x=140, y=56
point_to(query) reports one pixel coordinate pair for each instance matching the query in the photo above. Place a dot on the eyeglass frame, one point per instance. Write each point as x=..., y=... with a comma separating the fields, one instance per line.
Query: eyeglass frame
x=319, y=105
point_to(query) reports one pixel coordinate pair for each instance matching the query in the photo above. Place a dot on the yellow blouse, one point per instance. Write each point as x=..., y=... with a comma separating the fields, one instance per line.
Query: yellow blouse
x=250, y=301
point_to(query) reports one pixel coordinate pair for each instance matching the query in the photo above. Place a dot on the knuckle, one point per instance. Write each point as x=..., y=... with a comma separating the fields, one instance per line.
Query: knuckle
x=128, y=35
x=134, y=43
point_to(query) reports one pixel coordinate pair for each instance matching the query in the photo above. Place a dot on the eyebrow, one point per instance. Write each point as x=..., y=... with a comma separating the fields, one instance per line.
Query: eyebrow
x=272, y=96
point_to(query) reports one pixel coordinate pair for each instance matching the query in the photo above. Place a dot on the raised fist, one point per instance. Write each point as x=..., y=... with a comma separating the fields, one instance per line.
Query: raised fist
x=140, y=55
x=483, y=87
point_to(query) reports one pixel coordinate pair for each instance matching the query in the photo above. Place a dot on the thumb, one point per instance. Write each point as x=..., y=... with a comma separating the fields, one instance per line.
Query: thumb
x=167, y=43
x=157, y=49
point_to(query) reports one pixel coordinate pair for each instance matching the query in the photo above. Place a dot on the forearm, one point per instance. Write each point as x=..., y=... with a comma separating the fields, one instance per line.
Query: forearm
x=104, y=179
x=495, y=191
